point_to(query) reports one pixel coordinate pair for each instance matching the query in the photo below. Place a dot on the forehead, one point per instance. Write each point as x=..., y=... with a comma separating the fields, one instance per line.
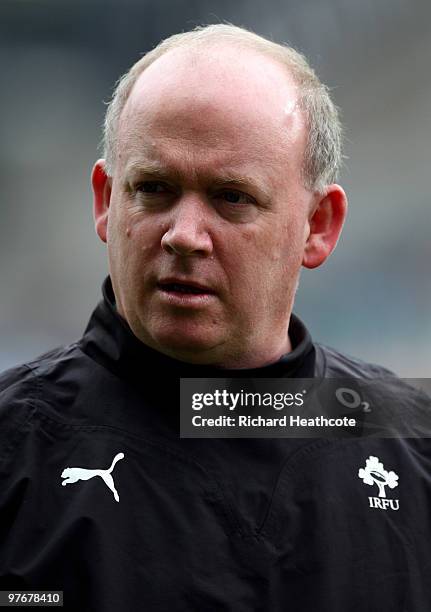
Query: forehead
x=221, y=105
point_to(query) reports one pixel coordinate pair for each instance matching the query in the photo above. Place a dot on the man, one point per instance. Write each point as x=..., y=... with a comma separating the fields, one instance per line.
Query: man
x=208, y=152
x=218, y=184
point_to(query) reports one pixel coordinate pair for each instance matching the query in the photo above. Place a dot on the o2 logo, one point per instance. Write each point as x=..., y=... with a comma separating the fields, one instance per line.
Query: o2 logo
x=351, y=399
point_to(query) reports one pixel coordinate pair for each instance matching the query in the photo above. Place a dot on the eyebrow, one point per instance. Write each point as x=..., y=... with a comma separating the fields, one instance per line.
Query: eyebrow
x=150, y=167
x=159, y=170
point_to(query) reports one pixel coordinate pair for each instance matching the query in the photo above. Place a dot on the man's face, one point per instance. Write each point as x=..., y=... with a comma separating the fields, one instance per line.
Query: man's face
x=207, y=197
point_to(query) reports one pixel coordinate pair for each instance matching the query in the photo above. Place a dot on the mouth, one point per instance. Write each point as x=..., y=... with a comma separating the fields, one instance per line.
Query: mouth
x=185, y=293
x=181, y=288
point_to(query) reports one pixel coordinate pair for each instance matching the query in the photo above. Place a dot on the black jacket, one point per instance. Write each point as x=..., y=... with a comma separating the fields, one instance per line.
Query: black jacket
x=184, y=525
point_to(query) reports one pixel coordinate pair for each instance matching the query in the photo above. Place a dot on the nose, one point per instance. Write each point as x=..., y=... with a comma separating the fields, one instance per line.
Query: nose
x=187, y=233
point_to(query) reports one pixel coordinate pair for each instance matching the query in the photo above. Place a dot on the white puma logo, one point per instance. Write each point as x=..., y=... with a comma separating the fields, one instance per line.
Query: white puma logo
x=77, y=473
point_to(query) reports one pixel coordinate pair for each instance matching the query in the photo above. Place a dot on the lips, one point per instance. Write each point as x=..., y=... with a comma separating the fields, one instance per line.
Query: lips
x=185, y=295
x=183, y=286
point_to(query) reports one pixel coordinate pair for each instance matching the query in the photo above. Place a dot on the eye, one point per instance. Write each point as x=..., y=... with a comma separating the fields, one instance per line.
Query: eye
x=237, y=198
x=152, y=187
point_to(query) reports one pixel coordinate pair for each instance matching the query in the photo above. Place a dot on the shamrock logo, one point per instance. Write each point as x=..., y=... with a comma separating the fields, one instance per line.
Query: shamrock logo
x=375, y=473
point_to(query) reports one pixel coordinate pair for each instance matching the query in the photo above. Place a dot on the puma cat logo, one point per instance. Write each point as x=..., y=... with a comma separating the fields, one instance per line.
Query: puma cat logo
x=77, y=473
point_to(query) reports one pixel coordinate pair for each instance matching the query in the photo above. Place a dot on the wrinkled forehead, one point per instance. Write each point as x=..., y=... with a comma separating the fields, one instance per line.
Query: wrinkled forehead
x=223, y=97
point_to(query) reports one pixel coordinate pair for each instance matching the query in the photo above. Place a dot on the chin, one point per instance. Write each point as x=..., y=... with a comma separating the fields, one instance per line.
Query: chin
x=185, y=344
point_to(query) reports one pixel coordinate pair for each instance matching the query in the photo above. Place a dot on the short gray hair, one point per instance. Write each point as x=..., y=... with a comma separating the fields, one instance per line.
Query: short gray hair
x=323, y=152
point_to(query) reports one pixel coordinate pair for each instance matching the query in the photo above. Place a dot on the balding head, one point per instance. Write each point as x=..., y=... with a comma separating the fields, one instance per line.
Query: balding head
x=322, y=153
x=222, y=97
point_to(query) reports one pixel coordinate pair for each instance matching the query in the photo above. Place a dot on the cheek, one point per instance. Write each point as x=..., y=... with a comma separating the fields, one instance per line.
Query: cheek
x=288, y=244
x=130, y=232
x=142, y=241
x=279, y=248
x=256, y=254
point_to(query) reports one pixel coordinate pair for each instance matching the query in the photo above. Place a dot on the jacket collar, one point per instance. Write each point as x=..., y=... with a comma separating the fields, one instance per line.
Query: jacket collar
x=109, y=340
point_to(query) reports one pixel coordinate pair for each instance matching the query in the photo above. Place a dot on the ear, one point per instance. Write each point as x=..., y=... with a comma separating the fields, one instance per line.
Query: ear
x=325, y=223
x=102, y=186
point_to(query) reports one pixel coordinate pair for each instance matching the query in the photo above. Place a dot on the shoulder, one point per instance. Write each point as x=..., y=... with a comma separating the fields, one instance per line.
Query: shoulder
x=335, y=364
x=17, y=394
x=404, y=403
x=20, y=389
x=22, y=378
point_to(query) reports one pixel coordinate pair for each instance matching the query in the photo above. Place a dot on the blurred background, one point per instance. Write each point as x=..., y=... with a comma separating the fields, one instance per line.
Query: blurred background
x=60, y=60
